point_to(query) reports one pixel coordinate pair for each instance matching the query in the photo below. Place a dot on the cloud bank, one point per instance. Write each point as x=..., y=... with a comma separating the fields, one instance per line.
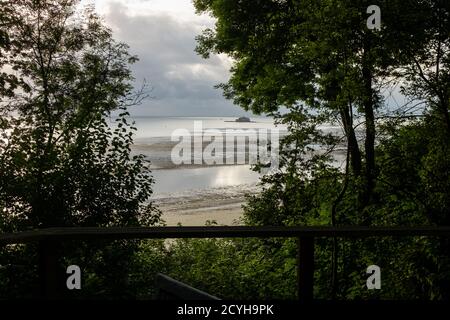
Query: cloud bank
x=182, y=82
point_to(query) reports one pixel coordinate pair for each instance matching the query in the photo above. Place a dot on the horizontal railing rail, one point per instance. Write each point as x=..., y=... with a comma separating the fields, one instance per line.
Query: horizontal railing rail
x=116, y=233
x=49, y=239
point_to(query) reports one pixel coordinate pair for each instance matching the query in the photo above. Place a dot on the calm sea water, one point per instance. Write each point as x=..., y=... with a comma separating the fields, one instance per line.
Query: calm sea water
x=181, y=180
x=156, y=129
x=151, y=128
x=154, y=132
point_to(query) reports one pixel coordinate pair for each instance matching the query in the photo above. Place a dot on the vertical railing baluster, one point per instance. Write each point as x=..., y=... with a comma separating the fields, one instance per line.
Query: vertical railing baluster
x=305, y=268
x=48, y=269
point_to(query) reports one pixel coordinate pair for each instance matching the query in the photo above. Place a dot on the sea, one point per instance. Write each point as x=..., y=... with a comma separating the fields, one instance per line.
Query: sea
x=153, y=140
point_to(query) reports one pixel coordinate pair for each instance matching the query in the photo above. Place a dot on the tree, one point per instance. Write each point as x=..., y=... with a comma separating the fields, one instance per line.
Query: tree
x=318, y=60
x=427, y=67
x=63, y=162
x=285, y=55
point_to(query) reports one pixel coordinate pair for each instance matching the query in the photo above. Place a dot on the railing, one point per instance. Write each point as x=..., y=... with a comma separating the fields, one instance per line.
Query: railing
x=49, y=239
x=170, y=289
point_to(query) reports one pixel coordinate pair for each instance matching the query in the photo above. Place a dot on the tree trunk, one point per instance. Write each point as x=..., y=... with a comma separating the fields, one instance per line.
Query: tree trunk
x=352, y=142
x=368, y=105
x=445, y=109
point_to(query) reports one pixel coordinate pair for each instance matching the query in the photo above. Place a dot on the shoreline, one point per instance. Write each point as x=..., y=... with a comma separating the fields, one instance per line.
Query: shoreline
x=226, y=216
x=197, y=207
x=184, y=201
x=159, y=154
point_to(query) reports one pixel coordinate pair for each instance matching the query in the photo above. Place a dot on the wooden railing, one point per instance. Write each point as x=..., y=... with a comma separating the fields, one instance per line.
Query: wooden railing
x=49, y=239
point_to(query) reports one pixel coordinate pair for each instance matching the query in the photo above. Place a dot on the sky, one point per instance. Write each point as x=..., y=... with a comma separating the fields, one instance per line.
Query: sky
x=162, y=34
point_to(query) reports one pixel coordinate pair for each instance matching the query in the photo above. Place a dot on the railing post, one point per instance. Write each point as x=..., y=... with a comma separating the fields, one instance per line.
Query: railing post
x=305, y=268
x=48, y=269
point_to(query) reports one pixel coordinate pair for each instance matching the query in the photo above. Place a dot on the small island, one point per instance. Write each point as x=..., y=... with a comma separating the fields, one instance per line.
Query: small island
x=243, y=119
x=240, y=119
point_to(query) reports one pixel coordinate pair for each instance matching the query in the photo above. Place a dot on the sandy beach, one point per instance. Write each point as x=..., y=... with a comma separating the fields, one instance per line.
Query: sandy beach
x=197, y=207
x=226, y=215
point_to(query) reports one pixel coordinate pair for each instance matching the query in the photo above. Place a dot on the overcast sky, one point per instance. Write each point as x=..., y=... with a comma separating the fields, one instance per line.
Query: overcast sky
x=162, y=33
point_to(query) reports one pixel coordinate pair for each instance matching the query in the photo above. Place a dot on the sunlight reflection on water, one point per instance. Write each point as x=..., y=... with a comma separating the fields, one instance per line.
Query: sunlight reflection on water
x=177, y=180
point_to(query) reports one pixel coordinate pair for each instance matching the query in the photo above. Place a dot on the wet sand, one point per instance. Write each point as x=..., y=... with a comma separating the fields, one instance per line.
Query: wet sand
x=196, y=208
x=227, y=215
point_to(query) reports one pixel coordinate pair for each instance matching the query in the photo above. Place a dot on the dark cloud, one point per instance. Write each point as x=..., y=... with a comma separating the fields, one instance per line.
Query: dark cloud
x=182, y=81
